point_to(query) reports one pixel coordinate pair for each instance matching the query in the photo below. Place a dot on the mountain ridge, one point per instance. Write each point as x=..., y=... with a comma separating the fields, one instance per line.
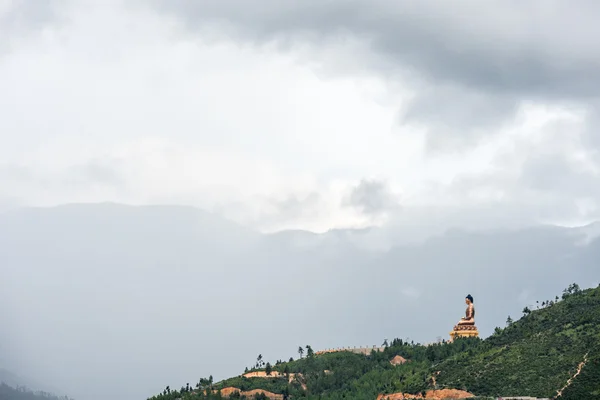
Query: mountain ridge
x=340, y=232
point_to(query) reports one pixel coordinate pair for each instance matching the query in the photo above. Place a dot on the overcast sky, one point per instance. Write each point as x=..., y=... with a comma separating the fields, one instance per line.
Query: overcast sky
x=303, y=114
x=295, y=114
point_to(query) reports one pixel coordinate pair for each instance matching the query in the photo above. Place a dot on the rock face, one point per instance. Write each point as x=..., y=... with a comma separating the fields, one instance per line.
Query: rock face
x=443, y=394
x=275, y=374
x=398, y=360
x=448, y=394
x=228, y=391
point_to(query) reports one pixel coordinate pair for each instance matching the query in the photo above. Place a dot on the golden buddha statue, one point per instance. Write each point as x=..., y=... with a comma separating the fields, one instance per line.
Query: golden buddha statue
x=466, y=326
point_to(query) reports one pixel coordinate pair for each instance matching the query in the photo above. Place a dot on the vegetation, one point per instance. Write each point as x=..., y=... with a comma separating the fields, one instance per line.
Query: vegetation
x=534, y=356
x=549, y=342
x=21, y=393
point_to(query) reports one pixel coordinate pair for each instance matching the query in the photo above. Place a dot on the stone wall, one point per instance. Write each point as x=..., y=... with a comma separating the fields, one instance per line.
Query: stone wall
x=357, y=350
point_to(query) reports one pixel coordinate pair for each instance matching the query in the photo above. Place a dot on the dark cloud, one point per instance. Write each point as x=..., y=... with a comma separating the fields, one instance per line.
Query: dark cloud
x=372, y=197
x=500, y=46
x=471, y=63
x=447, y=110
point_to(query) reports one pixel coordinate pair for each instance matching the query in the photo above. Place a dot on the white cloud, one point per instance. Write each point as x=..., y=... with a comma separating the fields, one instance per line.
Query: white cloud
x=139, y=110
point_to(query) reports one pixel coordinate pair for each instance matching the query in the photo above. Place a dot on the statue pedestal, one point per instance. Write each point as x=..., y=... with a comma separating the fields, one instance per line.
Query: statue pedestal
x=464, y=331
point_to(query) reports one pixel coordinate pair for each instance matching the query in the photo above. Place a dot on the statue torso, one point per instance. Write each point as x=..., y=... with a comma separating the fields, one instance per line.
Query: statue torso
x=470, y=313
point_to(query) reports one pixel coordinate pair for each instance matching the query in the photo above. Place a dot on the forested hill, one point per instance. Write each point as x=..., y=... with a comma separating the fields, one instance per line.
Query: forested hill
x=553, y=349
x=9, y=393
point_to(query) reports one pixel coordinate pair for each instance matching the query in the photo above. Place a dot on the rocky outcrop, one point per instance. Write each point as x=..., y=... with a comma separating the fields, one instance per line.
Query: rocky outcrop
x=228, y=391
x=442, y=394
x=276, y=374
x=398, y=360
x=448, y=394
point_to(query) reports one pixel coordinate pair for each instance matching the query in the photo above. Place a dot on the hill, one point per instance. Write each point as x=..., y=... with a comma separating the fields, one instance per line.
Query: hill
x=550, y=350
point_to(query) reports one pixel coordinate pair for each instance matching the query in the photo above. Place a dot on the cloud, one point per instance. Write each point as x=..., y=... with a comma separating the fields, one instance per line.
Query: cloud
x=274, y=212
x=546, y=173
x=455, y=117
x=270, y=114
x=468, y=65
x=21, y=18
x=435, y=39
x=15, y=172
x=372, y=197
x=94, y=172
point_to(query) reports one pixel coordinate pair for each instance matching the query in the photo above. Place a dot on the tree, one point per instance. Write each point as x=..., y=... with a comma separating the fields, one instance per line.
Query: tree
x=509, y=321
x=526, y=311
x=572, y=289
x=309, y=351
x=300, y=351
x=385, y=343
x=268, y=368
x=259, y=361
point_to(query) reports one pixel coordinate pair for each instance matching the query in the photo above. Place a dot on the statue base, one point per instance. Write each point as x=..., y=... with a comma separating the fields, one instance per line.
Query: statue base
x=464, y=331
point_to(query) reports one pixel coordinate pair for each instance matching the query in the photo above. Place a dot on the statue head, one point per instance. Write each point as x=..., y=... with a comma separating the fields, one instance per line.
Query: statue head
x=469, y=299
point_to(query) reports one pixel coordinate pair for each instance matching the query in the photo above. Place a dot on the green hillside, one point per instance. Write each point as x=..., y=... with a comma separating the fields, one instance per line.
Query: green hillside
x=533, y=356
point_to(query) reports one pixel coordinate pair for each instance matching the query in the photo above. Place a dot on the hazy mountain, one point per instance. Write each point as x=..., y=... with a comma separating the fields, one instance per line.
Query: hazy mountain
x=10, y=378
x=14, y=381
x=116, y=301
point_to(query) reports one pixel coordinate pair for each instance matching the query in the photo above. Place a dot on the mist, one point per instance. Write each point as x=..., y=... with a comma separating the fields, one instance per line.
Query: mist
x=108, y=300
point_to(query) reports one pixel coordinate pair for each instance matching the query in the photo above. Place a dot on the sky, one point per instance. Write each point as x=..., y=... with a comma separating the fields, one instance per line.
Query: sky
x=303, y=114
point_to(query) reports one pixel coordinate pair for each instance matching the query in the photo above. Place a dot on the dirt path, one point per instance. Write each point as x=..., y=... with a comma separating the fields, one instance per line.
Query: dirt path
x=579, y=368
